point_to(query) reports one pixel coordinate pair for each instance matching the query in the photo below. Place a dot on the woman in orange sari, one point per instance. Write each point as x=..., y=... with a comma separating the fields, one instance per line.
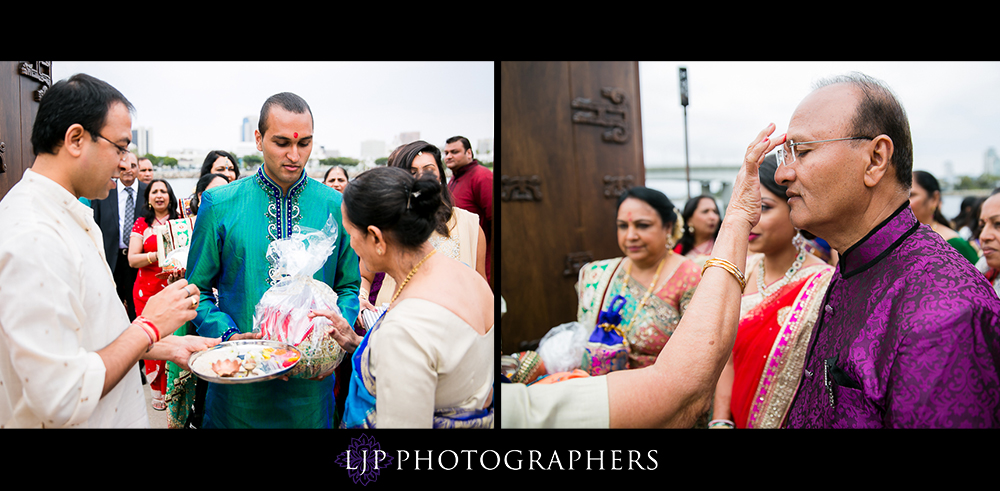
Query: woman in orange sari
x=785, y=287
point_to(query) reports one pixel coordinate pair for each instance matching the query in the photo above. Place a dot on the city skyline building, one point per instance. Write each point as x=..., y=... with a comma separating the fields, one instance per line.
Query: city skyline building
x=246, y=130
x=142, y=138
x=484, y=147
x=405, y=137
x=992, y=162
x=245, y=144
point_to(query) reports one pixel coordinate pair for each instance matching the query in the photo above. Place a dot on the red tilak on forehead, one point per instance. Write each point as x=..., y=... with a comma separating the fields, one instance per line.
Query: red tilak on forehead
x=295, y=134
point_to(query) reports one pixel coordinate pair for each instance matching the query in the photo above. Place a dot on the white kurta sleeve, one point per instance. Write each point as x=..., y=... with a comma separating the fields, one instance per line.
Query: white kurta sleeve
x=574, y=403
x=49, y=378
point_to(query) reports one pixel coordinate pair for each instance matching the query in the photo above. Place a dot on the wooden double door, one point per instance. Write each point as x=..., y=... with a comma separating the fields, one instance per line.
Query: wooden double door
x=572, y=143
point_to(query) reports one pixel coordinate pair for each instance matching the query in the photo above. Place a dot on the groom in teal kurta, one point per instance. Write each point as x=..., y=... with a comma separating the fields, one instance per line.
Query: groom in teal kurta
x=235, y=225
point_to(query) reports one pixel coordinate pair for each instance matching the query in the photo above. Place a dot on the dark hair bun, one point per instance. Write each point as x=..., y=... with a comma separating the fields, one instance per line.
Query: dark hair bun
x=425, y=197
x=391, y=199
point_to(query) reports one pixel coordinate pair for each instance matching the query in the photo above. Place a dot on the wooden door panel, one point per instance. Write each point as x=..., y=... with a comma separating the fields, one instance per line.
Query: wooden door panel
x=540, y=224
x=10, y=126
x=22, y=84
x=569, y=150
x=609, y=157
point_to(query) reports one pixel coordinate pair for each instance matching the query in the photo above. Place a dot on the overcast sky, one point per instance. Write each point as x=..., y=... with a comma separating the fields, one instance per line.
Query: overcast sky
x=953, y=108
x=201, y=105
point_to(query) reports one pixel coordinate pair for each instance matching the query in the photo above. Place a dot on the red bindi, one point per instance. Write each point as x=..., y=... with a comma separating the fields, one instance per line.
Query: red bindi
x=295, y=135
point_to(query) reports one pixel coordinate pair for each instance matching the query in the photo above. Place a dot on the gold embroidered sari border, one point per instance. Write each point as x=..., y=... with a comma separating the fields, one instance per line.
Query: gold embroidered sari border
x=783, y=368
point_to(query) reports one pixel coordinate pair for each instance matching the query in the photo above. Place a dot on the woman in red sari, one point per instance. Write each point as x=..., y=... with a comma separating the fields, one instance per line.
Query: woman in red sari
x=785, y=287
x=161, y=206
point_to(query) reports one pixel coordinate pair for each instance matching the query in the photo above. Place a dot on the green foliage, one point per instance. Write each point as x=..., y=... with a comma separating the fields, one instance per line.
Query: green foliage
x=161, y=161
x=341, y=161
x=985, y=181
x=251, y=161
x=382, y=161
x=964, y=182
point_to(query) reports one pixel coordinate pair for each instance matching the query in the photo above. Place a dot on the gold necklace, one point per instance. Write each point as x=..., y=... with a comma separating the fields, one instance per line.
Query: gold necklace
x=412, y=272
x=642, y=303
x=796, y=265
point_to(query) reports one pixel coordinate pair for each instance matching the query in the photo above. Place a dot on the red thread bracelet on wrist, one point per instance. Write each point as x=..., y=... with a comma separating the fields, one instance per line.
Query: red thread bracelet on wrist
x=152, y=326
x=148, y=334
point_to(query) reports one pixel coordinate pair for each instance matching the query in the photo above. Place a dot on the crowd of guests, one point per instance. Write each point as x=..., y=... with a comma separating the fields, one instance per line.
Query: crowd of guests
x=896, y=281
x=457, y=235
x=787, y=270
x=971, y=232
x=430, y=347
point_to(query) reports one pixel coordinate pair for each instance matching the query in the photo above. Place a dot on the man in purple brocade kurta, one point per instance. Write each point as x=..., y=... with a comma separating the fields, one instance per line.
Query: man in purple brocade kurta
x=909, y=332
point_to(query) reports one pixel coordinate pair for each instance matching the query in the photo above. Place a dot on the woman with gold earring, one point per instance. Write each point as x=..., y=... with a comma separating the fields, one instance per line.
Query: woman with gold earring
x=784, y=289
x=428, y=360
x=656, y=283
x=701, y=219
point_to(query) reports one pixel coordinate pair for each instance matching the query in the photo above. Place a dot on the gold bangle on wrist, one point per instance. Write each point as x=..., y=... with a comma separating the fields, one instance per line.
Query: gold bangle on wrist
x=728, y=266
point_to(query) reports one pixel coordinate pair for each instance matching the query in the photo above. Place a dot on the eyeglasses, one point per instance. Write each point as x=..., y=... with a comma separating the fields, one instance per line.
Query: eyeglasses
x=122, y=151
x=786, y=152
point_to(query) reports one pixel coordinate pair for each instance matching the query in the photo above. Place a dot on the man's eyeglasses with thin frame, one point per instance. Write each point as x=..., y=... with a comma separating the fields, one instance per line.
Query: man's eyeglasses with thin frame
x=786, y=152
x=122, y=151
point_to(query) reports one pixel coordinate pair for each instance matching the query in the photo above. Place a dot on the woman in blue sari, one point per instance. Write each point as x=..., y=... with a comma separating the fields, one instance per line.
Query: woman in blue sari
x=430, y=356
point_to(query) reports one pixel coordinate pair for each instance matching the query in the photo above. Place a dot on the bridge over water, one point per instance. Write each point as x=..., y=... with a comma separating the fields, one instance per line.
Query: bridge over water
x=701, y=172
x=726, y=173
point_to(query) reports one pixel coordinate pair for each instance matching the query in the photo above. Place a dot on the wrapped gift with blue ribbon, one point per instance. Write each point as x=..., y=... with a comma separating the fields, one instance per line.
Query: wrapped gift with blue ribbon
x=606, y=349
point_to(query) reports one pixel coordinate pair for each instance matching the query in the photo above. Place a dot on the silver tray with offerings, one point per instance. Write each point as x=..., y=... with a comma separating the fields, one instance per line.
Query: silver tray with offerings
x=244, y=361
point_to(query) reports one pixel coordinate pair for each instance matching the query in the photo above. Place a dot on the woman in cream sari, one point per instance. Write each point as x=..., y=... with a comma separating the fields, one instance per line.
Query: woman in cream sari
x=427, y=362
x=785, y=287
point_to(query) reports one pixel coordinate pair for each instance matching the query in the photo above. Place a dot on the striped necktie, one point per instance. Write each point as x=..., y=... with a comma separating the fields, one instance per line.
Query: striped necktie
x=129, y=216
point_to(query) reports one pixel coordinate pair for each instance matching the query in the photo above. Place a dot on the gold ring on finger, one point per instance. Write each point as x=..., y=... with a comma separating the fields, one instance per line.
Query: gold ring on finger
x=194, y=302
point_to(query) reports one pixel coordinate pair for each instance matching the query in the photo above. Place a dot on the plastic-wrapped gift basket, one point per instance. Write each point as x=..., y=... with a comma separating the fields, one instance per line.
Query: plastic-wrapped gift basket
x=283, y=312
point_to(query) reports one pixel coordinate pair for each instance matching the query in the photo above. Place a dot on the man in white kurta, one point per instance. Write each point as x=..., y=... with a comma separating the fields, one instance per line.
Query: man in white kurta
x=66, y=345
x=58, y=306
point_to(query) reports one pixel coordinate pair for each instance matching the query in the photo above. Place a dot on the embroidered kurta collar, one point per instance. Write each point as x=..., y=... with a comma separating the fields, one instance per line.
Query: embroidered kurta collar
x=273, y=189
x=879, y=242
x=283, y=211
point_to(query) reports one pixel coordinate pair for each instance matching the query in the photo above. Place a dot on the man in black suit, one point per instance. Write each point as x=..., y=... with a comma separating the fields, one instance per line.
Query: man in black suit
x=112, y=215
